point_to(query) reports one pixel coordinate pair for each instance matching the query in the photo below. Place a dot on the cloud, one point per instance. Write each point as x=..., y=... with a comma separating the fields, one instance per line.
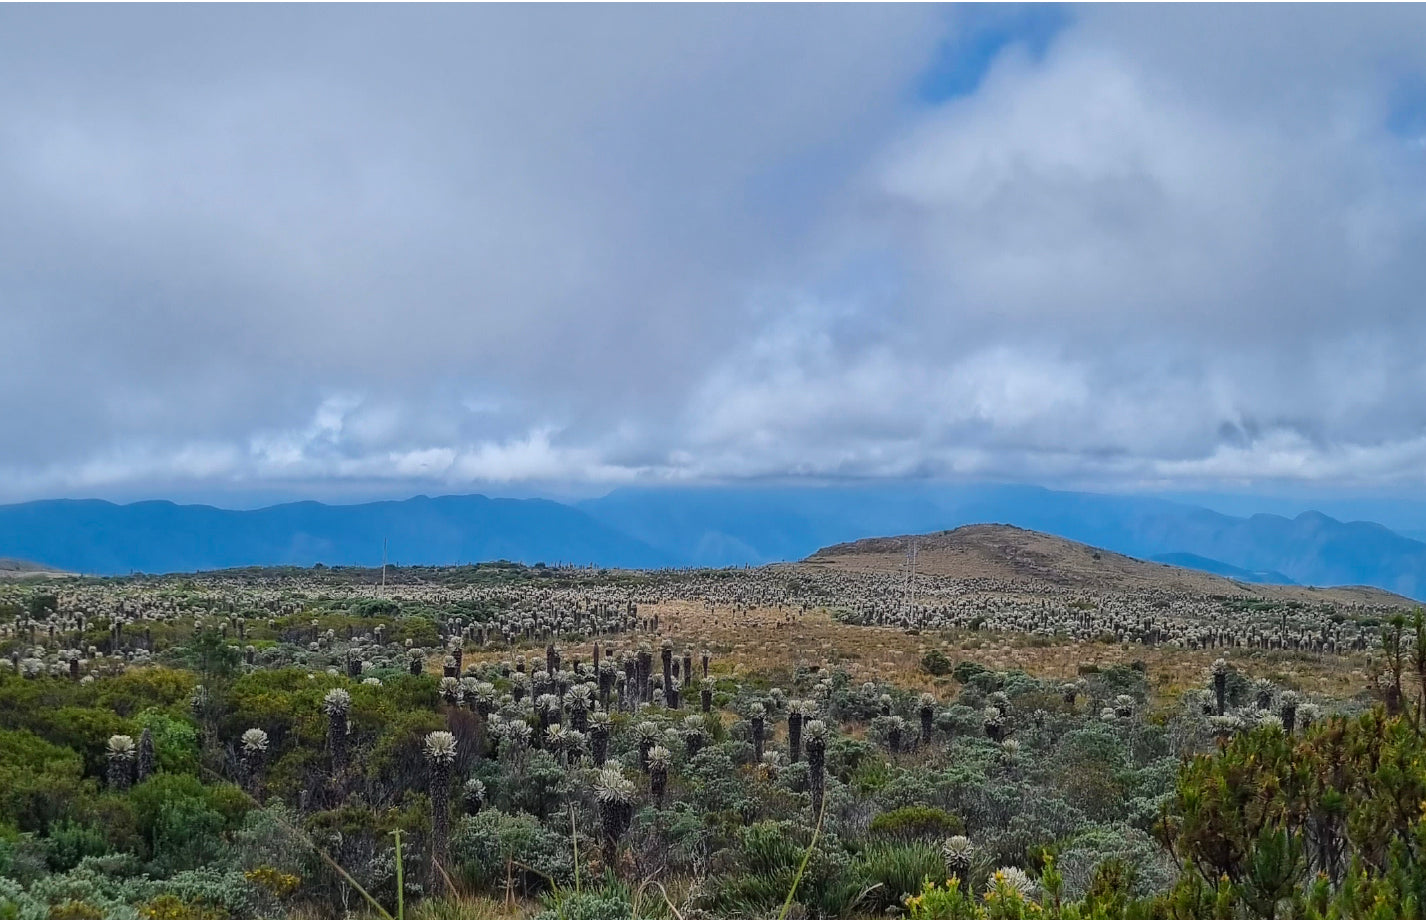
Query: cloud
x=449, y=248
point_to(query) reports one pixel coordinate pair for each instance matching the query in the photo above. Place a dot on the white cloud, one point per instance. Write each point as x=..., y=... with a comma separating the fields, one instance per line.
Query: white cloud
x=460, y=247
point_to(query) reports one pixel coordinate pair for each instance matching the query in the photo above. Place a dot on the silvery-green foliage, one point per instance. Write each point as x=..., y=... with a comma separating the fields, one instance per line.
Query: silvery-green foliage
x=1012, y=879
x=1154, y=870
x=121, y=747
x=576, y=743
x=483, y=845
x=440, y=747
x=337, y=702
x=957, y=852
x=24, y=906
x=265, y=839
x=518, y=734
x=473, y=791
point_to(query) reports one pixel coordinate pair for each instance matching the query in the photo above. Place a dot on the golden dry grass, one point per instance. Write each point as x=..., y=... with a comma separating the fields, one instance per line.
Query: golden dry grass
x=767, y=644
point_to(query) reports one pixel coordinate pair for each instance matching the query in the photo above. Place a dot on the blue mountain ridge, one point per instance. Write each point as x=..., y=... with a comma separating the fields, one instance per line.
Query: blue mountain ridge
x=652, y=527
x=1214, y=567
x=97, y=537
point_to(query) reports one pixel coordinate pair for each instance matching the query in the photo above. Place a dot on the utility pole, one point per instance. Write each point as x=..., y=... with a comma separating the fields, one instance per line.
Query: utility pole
x=908, y=595
x=383, y=566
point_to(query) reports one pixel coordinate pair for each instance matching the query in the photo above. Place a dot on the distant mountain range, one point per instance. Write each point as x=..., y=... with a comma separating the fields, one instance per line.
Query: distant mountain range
x=96, y=537
x=712, y=526
x=730, y=526
x=1192, y=561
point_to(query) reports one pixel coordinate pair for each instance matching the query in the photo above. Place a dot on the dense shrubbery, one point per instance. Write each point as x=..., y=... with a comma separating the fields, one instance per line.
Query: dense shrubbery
x=213, y=778
x=493, y=848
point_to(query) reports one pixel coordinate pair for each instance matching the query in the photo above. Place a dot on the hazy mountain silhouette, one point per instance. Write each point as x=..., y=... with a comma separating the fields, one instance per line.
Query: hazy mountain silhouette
x=729, y=526
x=98, y=537
x=1213, y=566
x=709, y=526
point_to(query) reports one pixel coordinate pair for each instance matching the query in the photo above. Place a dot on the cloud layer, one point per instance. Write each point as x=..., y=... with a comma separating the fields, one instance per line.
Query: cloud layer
x=450, y=248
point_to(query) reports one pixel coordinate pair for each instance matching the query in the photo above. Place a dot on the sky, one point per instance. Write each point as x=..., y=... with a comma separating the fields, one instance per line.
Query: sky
x=340, y=252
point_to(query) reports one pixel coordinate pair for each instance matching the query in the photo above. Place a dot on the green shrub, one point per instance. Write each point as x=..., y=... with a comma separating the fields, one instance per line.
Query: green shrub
x=75, y=910
x=267, y=839
x=935, y=663
x=38, y=780
x=212, y=890
x=140, y=689
x=1118, y=679
x=1146, y=868
x=181, y=820
x=375, y=607
x=916, y=822
x=607, y=904
x=68, y=842
x=968, y=671
x=847, y=756
x=484, y=846
x=768, y=857
x=82, y=729
x=713, y=781
x=175, y=740
x=893, y=871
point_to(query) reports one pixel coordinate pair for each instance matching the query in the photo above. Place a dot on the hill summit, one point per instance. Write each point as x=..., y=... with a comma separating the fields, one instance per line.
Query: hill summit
x=20, y=568
x=1008, y=553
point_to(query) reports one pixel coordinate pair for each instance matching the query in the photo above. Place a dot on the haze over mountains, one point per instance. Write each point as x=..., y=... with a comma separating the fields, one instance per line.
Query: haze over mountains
x=712, y=526
x=102, y=538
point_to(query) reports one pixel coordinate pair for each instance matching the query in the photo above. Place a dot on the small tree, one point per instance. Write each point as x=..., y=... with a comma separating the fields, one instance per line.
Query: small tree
x=121, y=752
x=926, y=708
x=146, y=754
x=957, y=853
x=816, y=736
x=254, y=743
x=798, y=714
x=338, y=704
x=659, y=759
x=757, y=720
x=615, y=795
x=1220, y=685
x=599, y=726
x=441, y=752
x=473, y=794
x=646, y=735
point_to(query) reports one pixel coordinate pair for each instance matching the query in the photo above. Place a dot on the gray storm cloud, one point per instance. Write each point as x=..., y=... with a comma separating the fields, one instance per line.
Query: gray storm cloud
x=449, y=247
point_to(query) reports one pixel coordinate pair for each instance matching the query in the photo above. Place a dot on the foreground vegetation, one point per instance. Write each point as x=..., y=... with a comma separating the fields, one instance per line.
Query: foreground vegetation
x=501, y=741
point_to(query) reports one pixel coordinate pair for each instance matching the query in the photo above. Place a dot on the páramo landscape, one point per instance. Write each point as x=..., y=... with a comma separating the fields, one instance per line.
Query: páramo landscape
x=809, y=462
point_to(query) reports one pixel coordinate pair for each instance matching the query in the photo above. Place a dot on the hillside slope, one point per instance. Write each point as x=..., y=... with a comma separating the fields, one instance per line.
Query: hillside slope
x=1009, y=553
x=23, y=568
